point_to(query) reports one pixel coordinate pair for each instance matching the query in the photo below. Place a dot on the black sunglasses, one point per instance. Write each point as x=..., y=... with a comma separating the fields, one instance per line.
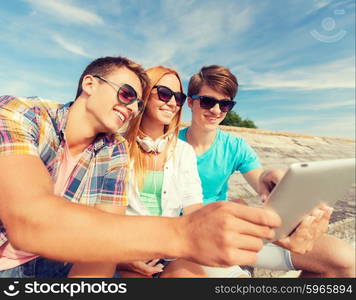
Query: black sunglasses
x=165, y=94
x=209, y=102
x=126, y=94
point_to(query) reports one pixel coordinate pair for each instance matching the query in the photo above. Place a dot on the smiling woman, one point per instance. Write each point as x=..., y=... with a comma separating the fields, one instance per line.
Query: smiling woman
x=159, y=122
x=164, y=177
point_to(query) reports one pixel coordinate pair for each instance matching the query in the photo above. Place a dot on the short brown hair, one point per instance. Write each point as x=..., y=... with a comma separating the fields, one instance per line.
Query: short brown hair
x=106, y=65
x=216, y=77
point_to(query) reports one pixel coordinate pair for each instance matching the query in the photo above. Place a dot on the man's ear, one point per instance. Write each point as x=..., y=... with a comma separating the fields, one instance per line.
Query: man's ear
x=190, y=102
x=88, y=84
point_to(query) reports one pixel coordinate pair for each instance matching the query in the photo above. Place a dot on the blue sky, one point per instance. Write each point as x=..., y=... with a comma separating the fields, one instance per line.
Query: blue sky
x=294, y=59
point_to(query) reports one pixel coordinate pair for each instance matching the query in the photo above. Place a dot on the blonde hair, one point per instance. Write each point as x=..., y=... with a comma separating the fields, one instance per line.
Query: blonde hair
x=140, y=165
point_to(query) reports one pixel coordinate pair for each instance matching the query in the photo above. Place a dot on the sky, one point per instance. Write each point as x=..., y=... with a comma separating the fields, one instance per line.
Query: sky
x=294, y=59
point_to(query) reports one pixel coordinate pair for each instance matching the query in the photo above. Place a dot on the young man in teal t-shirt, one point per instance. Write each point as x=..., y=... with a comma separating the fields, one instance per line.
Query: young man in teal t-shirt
x=219, y=155
x=226, y=155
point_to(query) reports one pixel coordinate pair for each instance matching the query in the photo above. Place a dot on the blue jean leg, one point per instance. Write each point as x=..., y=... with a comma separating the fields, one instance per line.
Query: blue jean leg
x=47, y=268
x=38, y=268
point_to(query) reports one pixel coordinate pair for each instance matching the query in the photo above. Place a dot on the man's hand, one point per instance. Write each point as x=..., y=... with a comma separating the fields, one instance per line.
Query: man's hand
x=227, y=233
x=267, y=181
x=308, y=231
x=141, y=267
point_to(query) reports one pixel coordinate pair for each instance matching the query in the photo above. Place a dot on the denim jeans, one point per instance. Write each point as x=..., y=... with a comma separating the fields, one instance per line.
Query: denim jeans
x=38, y=268
x=41, y=268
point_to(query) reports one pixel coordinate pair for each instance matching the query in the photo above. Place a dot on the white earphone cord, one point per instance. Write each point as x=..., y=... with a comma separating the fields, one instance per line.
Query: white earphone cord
x=154, y=172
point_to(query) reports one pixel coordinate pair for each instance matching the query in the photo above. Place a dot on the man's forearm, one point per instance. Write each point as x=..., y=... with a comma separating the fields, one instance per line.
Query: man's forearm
x=253, y=177
x=39, y=222
x=71, y=232
x=61, y=230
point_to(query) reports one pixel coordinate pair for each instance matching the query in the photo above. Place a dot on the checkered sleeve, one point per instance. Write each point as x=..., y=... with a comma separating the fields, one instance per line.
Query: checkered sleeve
x=113, y=190
x=18, y=128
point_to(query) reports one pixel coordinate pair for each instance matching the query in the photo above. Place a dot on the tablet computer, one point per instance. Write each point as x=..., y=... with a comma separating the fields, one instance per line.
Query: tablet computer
x=305, y=186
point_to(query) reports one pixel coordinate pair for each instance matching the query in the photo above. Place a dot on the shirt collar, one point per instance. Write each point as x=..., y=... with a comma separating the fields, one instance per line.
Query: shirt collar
x=62, y=118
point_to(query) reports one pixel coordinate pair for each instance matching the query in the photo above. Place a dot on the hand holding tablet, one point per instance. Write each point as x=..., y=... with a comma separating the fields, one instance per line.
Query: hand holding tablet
x=308, y=185
x=302, y=239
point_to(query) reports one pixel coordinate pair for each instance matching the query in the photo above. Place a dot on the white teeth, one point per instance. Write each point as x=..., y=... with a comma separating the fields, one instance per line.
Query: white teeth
x=168, y=112
x=211, y=119
x=120, y=115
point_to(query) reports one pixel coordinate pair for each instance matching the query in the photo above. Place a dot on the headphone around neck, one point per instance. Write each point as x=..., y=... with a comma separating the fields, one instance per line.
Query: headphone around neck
x=149, y=145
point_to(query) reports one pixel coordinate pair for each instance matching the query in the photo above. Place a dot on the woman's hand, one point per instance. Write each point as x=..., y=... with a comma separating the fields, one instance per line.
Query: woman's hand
x=144, y=268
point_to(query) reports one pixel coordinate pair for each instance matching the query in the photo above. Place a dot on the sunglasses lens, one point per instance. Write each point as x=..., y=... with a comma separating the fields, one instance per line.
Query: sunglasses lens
x=226, y=105
x=164, y=93
x=207, y=102
x=127, y=94
x=180, y=98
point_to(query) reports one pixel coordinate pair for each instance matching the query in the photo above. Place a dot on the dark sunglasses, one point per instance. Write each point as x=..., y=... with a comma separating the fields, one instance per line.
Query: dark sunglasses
x=126, y=94
x=165, y=94
x=209, y=102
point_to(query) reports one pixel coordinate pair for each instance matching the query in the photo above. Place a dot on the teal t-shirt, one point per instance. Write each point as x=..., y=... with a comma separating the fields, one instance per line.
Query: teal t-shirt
x=225, y=156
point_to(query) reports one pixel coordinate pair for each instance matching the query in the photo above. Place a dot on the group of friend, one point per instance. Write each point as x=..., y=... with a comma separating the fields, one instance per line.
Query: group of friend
x=108, y=185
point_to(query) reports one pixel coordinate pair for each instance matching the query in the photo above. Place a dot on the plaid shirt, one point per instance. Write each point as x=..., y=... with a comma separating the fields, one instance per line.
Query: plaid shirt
x=36, y=126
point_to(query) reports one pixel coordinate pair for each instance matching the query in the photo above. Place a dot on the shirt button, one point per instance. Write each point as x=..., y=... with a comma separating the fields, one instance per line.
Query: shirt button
x=164, y=192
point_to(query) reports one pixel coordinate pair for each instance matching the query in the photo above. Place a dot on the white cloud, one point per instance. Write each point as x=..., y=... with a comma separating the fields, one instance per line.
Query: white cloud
x=342, y=126
x=318, y=4
x=326, y=105
x=284, y=120
x=338, y=127
x=343, y=4
x=15, y=87
x=21, y=82
x=65, y=11
x=69, y=46
x=183, y=32
x=337, y=74
x=110, y=7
